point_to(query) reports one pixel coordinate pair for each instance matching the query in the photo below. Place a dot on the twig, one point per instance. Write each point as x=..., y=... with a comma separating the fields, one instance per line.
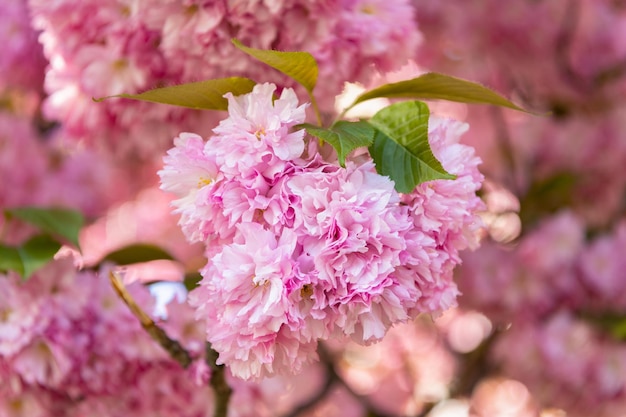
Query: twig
x=475, y=367
x=218, y=378
x=327, y=358
x=319, y=396
x=610, y=74
x=173, y=347
x=218, y=382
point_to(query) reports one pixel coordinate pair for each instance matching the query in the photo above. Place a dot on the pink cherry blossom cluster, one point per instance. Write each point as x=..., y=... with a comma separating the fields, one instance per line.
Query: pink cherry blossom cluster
x=564, y=57
x=100, y=48
x=70, y=347
x=300, y=249
x=559, y=50
x=555, y=292
x=568, y=362
x=555, y=289
x=82, y=179
x=22, y=64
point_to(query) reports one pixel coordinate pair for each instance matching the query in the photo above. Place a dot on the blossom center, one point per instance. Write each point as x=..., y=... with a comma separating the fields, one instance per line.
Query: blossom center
x=260, y=132
x=120, y=64
x=306, y=291
x=368, y=9
x=203, y=181
x=5, y=314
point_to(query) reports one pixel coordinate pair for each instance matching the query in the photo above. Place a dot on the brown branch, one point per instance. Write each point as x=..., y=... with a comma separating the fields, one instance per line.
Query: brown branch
x=610, y=74
x=219, y=384
x=177, y=352
x=319, y=396
x=218, y=372
x=173, y=347
x=329, y=360
x=475, y=366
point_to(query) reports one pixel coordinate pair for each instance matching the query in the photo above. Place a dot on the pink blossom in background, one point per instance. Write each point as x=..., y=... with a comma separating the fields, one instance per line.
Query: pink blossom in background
x=506, y=397
x=64, y=355
x=411, y=366
x=23, y=161
x=564, y=57
x=143, y=220
x=556, y=281
x=547, y=51
x=22, y=65
x=97, y=49
x=602, y=267
x=554, y=289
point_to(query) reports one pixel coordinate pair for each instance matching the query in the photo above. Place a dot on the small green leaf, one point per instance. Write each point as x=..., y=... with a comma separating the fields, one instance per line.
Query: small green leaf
x=37, y=252
x=29, y=257
x=609, y=322
x=10, y=260
x=301, y=66
x=439, y=86
x=192, y=280
x=55, y=221
x=401, y=149
x=546, y=196
x=136, y=253
x=344, y=136
x=201, y=95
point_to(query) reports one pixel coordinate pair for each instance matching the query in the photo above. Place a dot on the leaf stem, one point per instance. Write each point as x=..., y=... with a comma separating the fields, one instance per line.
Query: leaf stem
x=316, y=109
x=5, y=225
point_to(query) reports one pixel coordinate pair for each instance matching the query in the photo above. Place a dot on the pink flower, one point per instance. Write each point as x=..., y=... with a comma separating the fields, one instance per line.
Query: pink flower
x=351, y=226
x=243, y=300
x=19, y=316
x=256, y=119
x=22, y=64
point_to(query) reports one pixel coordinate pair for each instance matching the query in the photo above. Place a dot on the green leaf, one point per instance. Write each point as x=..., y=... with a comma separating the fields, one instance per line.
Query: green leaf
x=401, y=149
x=609, y=322
x=136, y=253
x=192, y=280
x=55, y=221
x=439, y=86
x=37, y=252
x=344, y=136
x=29, y=257
x=301, y=66
x=547, y=196
x=201, y=95
x=10, y=260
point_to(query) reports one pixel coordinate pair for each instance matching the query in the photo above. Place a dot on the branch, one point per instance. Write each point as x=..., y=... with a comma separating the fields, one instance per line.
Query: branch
x=173, y=347
x=475, y=366
x=327, y=358
x=319, y=396
x=218, y=372
x=610, y=74
x=218, y=382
